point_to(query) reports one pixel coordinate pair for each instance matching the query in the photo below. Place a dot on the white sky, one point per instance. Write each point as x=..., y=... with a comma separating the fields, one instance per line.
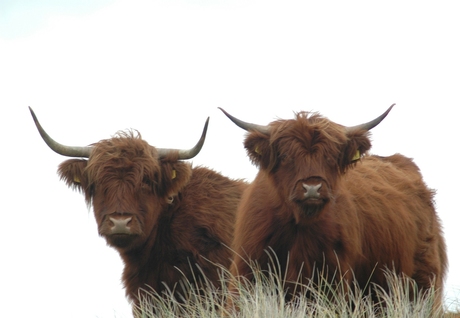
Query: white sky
x=90, y=68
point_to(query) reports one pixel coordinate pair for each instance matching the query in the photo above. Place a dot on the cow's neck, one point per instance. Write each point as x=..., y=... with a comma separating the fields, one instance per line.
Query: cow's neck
x=316, y=241
x=146, y=264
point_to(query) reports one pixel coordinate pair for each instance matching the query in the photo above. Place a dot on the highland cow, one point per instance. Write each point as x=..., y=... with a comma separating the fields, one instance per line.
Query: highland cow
x=168, y=220
x=322, y=201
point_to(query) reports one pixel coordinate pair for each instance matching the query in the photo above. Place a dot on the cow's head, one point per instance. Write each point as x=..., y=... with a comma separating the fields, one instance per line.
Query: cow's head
x=127, y=181
x=305, y=156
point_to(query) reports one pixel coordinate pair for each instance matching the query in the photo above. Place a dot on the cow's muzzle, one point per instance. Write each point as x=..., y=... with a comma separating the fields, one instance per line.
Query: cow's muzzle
x=310, y=191
x=120, y=226
x=310, y=195
x=121, y=230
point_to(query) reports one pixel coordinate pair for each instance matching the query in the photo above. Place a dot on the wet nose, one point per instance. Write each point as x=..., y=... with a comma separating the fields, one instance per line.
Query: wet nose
x=311, y=191
x=120, y=226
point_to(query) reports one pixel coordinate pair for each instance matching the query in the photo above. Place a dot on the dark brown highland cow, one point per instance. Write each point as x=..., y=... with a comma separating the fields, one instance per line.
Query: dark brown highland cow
x=164, y=217
x=319, y=198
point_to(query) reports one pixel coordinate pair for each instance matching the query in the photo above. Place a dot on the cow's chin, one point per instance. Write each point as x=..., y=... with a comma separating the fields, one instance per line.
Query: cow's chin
x=122, y=241
x=312, y=207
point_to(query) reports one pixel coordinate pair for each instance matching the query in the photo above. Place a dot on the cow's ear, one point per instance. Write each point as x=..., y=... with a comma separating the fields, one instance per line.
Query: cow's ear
x=259, y=151
x=357, y=145
x=174, y=176
x=72, y=172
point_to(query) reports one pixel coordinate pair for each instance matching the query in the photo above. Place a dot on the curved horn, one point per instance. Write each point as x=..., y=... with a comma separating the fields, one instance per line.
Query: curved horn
x=369, y=125
x=247, y=126
x=188, y=153
x=83, y=152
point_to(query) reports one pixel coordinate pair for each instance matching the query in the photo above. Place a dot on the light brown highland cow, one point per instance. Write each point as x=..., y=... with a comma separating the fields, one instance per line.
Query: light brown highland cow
x=322, y=201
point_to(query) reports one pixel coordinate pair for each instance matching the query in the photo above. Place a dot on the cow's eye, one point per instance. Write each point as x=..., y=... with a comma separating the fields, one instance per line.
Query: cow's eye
x=284, y=158
x=147, y=184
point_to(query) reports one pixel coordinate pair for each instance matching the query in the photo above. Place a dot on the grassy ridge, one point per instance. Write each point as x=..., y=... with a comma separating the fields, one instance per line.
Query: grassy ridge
x=265, y=298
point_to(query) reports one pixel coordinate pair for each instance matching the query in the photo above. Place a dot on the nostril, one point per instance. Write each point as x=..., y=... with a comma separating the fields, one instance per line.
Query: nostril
x=311, y=191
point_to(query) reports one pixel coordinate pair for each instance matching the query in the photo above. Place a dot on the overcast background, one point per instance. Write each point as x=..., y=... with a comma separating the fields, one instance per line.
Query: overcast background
x=91, y=68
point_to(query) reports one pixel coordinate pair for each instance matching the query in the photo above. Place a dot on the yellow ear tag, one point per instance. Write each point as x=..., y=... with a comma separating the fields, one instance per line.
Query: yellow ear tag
x=173, y=174
x=357, y=156
x=257, y=150
x=76, y=179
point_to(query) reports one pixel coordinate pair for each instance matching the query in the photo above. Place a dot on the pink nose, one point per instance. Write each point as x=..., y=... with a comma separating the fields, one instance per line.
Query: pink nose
x=120, y=226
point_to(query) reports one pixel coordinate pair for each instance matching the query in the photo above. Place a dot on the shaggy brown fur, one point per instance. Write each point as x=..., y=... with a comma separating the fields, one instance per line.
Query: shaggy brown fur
x=180, y=216
x=372, y=213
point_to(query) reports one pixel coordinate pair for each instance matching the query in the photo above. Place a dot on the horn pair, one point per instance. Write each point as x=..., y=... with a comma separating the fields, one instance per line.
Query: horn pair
x=266, y=129
x=85, y=152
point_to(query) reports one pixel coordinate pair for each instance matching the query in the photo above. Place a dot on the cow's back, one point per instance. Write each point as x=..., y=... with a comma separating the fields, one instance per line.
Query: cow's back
x=205, y=217
x=209, y=203
x=398, y=221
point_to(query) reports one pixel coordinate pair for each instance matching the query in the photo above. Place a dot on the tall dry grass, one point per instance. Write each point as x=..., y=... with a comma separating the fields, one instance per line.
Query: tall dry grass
x=265, y=297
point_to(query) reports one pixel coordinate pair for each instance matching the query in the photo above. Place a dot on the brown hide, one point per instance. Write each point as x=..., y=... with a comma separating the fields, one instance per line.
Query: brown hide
x=174, y=216
x=367, y=215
